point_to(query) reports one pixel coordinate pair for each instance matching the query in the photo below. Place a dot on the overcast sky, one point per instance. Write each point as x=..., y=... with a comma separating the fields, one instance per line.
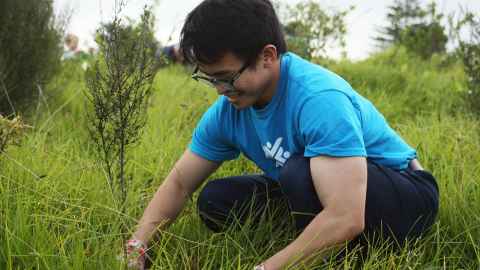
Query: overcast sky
x=362, y=23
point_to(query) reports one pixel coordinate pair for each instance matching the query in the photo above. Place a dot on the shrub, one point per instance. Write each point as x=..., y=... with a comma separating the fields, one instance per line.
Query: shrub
x=425, y=39
x=309, y=28
x=30, y=50
x=469, y=53
x=11, y=131
x=416, y=28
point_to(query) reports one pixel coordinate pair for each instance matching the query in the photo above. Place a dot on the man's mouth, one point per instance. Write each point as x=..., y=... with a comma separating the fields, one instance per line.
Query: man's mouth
x=232, y=94
x=229, y=92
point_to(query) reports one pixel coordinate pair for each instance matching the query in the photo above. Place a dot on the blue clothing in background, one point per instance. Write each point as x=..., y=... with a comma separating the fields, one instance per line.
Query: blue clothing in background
x=313, y=112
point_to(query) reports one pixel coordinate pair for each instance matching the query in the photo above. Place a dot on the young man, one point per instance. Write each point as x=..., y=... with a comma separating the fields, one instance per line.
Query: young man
x=323, y=148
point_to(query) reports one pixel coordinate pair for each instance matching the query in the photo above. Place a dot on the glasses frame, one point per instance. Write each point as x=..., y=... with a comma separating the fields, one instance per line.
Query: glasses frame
x=214, y=82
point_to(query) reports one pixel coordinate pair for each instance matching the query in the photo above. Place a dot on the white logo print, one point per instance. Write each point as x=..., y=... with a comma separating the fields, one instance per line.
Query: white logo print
x=276, y=152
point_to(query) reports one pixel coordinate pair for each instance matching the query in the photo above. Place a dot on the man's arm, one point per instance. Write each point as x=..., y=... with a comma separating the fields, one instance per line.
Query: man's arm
x=186, y=176
x=341, y=185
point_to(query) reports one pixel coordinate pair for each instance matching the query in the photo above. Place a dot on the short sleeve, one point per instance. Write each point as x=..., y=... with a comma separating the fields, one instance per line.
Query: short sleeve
x=330, y=125
x=209, y=140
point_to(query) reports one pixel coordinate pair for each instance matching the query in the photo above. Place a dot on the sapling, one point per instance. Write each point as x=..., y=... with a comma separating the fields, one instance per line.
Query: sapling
x=119, y=85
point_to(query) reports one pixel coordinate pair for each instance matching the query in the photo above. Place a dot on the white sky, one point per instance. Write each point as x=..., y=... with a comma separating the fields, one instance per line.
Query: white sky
x=362, y=23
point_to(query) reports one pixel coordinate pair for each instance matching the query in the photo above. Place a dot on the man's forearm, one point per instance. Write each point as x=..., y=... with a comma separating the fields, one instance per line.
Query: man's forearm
x=325, y=231
x=164, y=207
x=186, y=176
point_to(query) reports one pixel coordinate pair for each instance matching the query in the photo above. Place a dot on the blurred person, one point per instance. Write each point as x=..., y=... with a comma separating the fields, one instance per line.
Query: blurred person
x=71, y=44
x=170, y=54
x=345, y=174
x=92, y=51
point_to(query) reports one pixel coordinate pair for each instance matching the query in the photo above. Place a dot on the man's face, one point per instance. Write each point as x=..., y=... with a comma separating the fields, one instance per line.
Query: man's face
x=251, y=85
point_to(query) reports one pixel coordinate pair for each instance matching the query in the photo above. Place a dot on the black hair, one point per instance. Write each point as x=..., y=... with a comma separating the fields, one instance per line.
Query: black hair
x=243, y=27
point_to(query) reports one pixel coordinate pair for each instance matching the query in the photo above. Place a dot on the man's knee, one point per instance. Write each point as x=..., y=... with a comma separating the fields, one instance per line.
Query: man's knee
x=209, y=205
x=206, y=197
x=404, y=193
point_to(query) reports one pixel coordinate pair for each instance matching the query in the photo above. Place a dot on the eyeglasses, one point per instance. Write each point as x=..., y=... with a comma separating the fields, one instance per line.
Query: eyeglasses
x=227, y=85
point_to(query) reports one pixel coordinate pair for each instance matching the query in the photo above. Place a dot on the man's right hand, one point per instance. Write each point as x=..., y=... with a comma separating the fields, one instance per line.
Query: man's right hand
x=186, y=176
x=136, y=254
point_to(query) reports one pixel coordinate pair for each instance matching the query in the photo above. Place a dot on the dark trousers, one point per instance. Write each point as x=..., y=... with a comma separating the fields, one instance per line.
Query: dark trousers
x=399, y=205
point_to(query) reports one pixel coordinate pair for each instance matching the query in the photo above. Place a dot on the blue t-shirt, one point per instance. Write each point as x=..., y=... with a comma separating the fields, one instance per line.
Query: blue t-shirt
x=313, y=112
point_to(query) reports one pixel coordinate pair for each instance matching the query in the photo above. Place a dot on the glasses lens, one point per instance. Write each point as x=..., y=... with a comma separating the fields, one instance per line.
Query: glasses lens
x=205, y=81
x=221, y=85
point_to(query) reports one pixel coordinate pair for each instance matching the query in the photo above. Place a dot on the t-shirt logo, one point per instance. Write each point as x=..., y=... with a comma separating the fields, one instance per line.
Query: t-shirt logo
x=276, y=152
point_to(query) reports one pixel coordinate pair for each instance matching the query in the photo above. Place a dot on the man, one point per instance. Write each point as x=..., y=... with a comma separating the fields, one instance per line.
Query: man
x=323, y=147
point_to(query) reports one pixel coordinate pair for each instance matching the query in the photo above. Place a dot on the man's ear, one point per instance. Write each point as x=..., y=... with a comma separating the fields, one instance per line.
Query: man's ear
x=269, y=55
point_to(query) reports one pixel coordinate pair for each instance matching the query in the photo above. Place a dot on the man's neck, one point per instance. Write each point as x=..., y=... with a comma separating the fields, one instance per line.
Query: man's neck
x=271, y=88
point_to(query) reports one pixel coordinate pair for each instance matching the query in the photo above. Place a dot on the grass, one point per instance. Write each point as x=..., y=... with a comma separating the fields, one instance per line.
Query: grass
x=56, y=210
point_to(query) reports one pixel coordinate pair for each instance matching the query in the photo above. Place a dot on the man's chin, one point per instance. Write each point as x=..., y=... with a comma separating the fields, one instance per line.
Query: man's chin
x=239, y=106
x=240, y=102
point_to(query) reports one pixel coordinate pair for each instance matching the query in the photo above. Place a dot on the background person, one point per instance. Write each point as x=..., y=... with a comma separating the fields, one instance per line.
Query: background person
x=170, y=55
x=71, y=44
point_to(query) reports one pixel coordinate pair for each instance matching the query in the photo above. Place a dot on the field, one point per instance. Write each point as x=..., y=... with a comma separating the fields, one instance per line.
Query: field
x=57, y=211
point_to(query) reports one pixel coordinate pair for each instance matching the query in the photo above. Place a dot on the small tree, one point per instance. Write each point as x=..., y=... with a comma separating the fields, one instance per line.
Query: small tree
x=309, y=28
x=427, y=37
x=119, y=85
x=401, y=15
x=419, y=30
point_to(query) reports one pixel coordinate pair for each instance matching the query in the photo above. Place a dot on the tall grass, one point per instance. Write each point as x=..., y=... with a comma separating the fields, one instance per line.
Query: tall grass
x=56, y=210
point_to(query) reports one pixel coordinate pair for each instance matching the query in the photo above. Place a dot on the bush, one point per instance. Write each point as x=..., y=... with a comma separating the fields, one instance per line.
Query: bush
x=417, y=29
x=309, y=28
x=10, y=132
x=425, y=39
x=470, y=55
x=30, y=50
x=471, y=60
x=465, y=31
